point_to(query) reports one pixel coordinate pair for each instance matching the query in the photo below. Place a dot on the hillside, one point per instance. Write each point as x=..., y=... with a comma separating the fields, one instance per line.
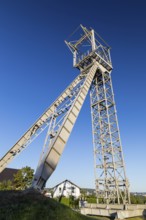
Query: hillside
x=32, y=205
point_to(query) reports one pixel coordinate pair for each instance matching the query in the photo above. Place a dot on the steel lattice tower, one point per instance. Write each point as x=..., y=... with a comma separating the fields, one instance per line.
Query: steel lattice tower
x=111, y=182
x=91, y=55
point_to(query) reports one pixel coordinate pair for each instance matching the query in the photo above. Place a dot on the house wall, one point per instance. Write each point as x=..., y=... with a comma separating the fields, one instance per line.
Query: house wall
x=67, y=189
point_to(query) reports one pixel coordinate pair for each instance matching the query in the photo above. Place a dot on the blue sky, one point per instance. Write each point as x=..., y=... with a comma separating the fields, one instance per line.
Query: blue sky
x=36, y=66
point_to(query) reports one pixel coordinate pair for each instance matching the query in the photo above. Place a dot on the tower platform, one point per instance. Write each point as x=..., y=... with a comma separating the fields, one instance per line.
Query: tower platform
x=114, y=211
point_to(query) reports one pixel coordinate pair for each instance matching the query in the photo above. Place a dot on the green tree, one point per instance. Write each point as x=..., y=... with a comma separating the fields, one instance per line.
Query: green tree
x=6, y=185
x=137, y=199
x=23, y=178
x=71, y=201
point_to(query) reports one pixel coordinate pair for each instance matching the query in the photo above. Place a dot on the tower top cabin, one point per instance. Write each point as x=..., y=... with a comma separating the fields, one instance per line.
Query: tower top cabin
x=90, y=46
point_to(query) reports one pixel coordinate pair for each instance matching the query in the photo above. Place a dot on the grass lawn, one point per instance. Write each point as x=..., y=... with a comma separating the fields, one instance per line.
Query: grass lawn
x=17, y=205
x=32, y=205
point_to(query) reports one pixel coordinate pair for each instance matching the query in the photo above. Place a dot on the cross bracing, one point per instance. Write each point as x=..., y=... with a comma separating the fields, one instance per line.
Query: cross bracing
x=111, y=182
x=50, y=159
x=91, y=55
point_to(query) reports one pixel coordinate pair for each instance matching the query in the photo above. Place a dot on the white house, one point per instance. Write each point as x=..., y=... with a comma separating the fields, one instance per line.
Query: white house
x=66, y=189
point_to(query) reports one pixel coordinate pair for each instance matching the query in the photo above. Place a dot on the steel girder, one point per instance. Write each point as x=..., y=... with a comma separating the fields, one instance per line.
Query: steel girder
x=95, y=68
x=111, y=182
x=58, y=108
x=61, y=130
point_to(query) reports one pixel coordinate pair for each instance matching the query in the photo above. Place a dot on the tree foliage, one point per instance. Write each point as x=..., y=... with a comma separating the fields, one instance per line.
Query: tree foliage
x=23, y=178
x=6, y=185
x=138, y=199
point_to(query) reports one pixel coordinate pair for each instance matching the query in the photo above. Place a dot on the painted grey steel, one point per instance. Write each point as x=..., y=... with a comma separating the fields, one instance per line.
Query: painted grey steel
x=42, y=123
x=56, y=144
x=91, y=55
x=111, y=183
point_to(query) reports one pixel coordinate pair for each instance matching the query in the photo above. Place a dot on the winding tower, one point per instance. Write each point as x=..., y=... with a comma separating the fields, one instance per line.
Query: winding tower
x=91, y=55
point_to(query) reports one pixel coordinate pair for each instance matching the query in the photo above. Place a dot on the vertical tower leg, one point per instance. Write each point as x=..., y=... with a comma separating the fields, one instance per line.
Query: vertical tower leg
x=111, y=183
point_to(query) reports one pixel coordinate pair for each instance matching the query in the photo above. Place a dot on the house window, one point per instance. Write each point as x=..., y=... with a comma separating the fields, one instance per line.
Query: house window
x=59, y=189
x=73, y=189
